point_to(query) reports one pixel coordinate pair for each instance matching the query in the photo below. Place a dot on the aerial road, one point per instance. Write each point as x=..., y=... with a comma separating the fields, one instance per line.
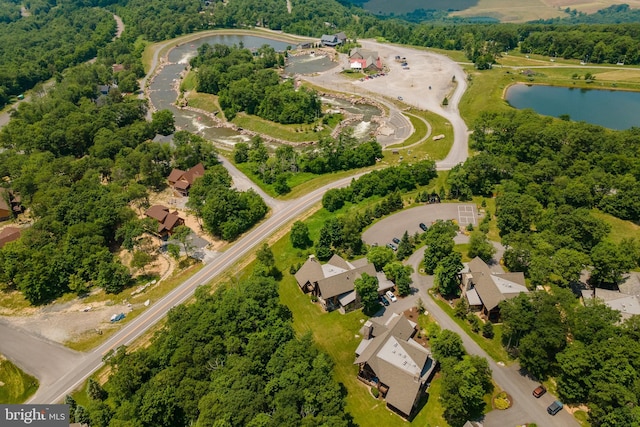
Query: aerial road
x=90, y=362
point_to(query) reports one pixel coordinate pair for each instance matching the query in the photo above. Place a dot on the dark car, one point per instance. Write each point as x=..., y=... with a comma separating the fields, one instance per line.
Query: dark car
x=396, y=240
x=423, y=226
x=384, y=300
x=392, y=246
x=539, y=391
x=555, y=407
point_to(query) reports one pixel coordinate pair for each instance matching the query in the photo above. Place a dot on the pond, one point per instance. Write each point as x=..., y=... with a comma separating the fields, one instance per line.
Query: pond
x=614, y=109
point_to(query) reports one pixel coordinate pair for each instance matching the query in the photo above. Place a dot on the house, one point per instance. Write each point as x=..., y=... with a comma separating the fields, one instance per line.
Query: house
x=333, y=40
x=484, y=289
x=104, y=89
x=365, y=60
x=9, y=234
x=392, y=361
x=333, y=283
x=626, y=300
x=627, y=305
x=167, y=221
x=164, y=139
x=181, y=181
x=10, y=204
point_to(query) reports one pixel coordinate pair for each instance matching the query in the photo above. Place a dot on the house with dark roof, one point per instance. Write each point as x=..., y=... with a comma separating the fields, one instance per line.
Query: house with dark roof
x=333, y=283
x=365, y=60
x=167, y=221
x=484, y=289
x=9, y=234
x=181, y=180
x=333, y=40
x=392, y=361
x=10, y=204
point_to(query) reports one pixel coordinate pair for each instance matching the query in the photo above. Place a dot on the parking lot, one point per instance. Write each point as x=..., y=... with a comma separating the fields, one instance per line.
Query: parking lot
x=408, y=220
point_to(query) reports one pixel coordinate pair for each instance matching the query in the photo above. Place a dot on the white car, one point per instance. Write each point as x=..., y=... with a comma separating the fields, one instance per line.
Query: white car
x=391, y=296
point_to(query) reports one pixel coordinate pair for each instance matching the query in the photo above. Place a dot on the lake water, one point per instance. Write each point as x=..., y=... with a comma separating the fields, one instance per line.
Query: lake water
x=614, y=109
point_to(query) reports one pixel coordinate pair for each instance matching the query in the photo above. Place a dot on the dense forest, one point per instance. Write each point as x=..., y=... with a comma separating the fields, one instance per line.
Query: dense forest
x=82, y=161
x=35, y=48
x=248, y=83
x=328, y=155
x=229, y=359
x=548, y=175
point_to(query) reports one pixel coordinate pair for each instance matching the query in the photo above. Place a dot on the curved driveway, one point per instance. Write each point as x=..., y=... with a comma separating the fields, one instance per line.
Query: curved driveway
x=526, y=408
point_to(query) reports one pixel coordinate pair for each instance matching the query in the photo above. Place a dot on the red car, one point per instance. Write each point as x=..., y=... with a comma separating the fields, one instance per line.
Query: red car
x=539, y=391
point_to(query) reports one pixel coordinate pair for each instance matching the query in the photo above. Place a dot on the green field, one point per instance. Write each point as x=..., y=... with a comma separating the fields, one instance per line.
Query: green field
x=15, y=385
x=503, y=10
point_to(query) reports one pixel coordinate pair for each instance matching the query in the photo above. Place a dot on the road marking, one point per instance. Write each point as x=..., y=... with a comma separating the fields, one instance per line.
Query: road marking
x=466, y=215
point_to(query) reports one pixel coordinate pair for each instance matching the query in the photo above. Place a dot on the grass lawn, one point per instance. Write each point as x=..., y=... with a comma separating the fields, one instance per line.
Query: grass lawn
x=428, y=149
x=16, y=386
x=493, y=347
x=620, y=229
x=337, y=335
x=205, y=101
x=293, y=133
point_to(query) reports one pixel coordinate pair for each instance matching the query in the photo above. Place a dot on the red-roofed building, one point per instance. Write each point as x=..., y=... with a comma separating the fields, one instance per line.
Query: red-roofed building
x=363, y=59
x=181, y=181
x=9, y=234
x=167, y=221
x=9, y=204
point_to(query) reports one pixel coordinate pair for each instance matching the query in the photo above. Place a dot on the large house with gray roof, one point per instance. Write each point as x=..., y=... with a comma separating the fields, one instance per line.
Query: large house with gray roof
x=333, y=283
x=626, y=300
x=485, y=289
x=391, y=360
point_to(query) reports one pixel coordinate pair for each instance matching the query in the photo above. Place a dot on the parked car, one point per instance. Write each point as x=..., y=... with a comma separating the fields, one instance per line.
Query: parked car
x=392, y=246
x=400, y=98
x=396, y=240
x=391, y=296
x=423, y=226
x=555, y=407
x=539, y=391
x=117, y=317
x=384, y=301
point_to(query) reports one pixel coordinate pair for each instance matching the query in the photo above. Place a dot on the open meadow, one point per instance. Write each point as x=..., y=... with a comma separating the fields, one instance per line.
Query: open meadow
x=502, y=10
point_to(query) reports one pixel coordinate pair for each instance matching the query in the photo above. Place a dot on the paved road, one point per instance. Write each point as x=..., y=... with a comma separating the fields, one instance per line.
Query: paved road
x=69, y=380
x=526, y=408
x=37, y=356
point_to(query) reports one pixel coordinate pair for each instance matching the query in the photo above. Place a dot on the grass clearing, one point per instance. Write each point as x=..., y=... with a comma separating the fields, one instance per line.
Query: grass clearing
x=15, y=385
x=493, y=347
x=620, y=229
x=294, y=133
x=205, y=101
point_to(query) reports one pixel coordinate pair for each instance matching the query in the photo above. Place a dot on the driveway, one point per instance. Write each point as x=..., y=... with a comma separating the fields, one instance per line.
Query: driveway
x=526, y=408
x=408, y=220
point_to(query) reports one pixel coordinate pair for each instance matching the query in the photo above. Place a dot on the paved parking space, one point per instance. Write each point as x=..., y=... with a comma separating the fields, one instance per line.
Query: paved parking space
x=466, y=215
x=408, y=220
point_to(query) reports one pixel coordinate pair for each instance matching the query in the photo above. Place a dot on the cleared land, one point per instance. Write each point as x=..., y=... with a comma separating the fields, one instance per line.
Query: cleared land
x=503, y=10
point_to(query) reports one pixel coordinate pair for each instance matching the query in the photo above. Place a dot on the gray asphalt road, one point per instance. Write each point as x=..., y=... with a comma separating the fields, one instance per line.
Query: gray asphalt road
x=69, y=380
x=41, y=358
x=526, y=408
